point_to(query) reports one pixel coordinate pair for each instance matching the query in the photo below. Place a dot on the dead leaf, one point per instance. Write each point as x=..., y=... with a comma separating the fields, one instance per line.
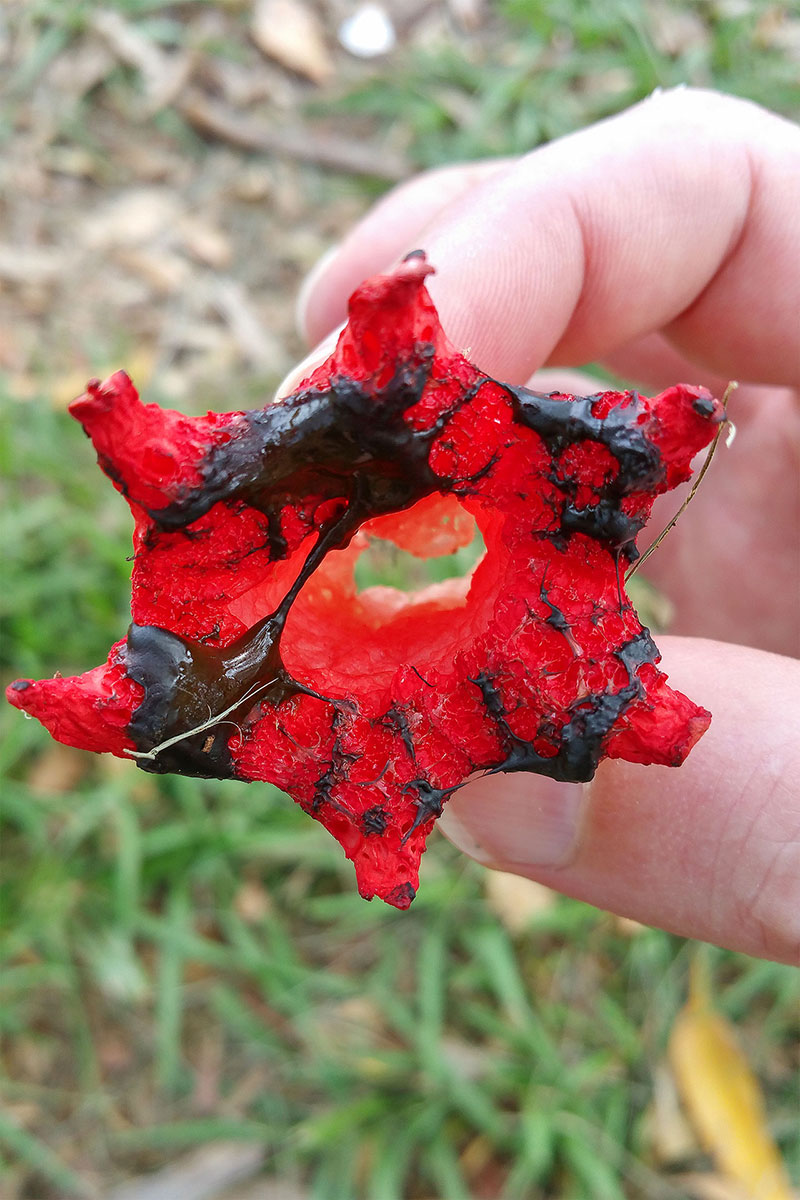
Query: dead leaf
x=57, y=770
x=26, y=265
x=776, y=29
x=114, y=1051
x=466, y=1059
x=252, y=902
x=14, y=356
x=628, y=927
x=354, y=1025
x=199, y=1175
x=291, y=34
x=5, y=41
x=257, y=344
x=677, y=31
x=293, y=141
x=208, y=1060
x=704, y=1185
x=469, y=14
x=65, y=386
x=75, y=161
x=76, y=71
x=23, y=1112
x=132, y=218
x=477, y=1155
x=254, y=183
x=268, y=1188
x=163, y=75
x=163, y=271
x=668, y=1132
x=515, y=900
x=117, y=769
x=206, y=243
x=722, y=1096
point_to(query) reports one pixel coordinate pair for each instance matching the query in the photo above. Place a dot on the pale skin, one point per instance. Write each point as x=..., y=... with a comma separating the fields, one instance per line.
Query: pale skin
x=664, y=243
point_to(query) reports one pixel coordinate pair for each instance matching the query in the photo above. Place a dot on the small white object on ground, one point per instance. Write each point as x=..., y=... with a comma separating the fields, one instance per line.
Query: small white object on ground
x=368, y=33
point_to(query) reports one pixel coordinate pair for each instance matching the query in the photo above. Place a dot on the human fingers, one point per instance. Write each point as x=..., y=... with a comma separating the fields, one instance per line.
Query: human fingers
x=384, y=234
x=731, y=565
x=680, y=213
x=710, y=850
x=652, y=363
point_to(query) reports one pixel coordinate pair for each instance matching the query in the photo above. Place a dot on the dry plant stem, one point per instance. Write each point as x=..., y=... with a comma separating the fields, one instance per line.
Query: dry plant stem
x=337, y=153
x=216, y=719
x=706, y=464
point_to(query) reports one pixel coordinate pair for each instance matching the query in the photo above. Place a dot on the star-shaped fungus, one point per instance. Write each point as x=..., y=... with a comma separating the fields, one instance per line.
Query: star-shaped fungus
x=252, y=656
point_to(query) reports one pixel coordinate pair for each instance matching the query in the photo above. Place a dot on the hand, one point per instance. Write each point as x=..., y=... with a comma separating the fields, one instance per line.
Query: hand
x=664, y=243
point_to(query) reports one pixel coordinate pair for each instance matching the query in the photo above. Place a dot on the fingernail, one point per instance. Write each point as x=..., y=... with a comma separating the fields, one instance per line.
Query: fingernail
x=307, y=287
x=517, y=820
x=295, y=377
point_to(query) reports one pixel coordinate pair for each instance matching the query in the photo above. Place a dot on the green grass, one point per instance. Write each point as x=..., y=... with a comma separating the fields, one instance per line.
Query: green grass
x=183, y=961
x=384, y=563
x=561, y=66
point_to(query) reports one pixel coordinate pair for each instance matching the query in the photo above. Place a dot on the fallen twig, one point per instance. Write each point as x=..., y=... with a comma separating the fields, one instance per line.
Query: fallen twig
x=215, y=120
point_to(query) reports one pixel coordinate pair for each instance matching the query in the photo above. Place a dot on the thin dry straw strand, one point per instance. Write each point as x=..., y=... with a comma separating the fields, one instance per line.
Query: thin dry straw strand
x=707, y=463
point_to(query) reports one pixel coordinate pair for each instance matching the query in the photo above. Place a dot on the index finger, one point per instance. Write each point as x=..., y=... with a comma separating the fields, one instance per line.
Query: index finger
x=680, y=214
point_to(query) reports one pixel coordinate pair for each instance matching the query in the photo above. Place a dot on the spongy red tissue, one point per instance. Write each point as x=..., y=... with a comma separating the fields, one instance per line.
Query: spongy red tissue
x=252, y=655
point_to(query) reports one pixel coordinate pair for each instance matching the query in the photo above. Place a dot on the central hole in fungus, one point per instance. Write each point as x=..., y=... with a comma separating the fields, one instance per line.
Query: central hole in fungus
x=384, y=564
x=412, y=589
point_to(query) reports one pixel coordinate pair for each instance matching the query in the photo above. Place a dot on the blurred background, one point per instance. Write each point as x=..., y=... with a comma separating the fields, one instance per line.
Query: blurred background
x=194, y=1002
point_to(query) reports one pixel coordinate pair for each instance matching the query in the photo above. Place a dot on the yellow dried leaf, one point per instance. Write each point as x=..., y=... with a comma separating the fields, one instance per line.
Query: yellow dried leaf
x=722, y=1096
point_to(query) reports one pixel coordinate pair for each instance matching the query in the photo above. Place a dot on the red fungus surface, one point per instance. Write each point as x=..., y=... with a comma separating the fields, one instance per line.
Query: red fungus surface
x=252, y=656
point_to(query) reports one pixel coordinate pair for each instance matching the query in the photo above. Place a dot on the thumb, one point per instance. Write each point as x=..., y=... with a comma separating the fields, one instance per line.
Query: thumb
x=710, y=850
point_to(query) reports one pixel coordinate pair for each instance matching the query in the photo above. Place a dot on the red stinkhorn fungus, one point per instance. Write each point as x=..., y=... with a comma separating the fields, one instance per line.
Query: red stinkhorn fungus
x=251, y=656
